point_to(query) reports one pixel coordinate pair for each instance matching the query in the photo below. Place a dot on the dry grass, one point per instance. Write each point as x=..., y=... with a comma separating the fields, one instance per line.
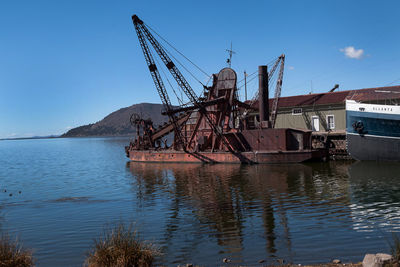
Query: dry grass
x=395, y=247
x=12, y=254
x=121, y=247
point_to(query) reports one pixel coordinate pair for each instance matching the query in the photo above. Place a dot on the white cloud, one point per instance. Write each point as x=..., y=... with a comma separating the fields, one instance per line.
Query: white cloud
x=291, y=68
x=351, y=52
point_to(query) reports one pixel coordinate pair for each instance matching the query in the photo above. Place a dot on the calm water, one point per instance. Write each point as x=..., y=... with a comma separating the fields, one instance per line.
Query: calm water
x=71, y=189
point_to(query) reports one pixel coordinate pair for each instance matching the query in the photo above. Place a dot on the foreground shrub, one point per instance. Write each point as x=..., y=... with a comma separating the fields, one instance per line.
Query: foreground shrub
x=12, y=254
x=395, y=247
x=121, y=247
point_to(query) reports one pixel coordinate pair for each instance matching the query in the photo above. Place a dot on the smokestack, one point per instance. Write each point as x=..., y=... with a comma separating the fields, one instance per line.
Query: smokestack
x=263, y=96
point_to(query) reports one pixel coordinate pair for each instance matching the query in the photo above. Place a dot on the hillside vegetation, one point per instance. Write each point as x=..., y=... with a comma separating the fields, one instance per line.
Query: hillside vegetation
x=118, y=124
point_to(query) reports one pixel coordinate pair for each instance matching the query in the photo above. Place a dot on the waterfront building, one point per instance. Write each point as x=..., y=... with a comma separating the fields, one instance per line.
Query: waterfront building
x=325, y=112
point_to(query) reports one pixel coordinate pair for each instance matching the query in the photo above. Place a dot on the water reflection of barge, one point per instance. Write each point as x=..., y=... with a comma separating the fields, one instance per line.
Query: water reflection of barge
x=273, y=205
x=373, y=131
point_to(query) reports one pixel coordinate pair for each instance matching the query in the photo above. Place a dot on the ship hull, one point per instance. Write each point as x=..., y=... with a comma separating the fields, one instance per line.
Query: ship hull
x=226, y=157
x=369, y=147
x=373, y=131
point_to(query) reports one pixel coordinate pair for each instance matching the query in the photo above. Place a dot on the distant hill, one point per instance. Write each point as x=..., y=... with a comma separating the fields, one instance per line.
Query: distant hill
x=118, y=124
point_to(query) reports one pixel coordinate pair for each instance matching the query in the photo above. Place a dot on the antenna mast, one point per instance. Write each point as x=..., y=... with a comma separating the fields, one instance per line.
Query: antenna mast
x=230, y=52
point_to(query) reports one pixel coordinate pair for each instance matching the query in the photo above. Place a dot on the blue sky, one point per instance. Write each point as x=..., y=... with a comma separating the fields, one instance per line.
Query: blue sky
x=68, y=63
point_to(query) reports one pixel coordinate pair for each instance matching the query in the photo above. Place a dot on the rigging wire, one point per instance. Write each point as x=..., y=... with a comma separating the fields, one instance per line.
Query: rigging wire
x=393, y=82
x=166, y=77
x=252, y=87
x=177, y=51
x=272, y=80
x=248, y=81
x=269, y=77
x=209, y=79
x=247, y=77
x=183, y=66
x=339, y=71
x=272, y=84
x=269, y=64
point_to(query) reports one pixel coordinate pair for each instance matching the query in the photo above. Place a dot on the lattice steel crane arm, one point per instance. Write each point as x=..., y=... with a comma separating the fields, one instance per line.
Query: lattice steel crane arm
x=153, y=70
x=273, y=69
x=278, y=90
x=158, y=81
x=187, y=89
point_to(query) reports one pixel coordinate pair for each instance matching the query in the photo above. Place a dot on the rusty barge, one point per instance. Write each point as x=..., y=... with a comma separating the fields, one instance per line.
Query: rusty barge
x=215, y=127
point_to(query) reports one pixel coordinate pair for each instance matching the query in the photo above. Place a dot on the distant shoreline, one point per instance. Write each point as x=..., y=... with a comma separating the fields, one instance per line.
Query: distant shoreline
x=32, y=137
x=115, y=124
x=59, y=136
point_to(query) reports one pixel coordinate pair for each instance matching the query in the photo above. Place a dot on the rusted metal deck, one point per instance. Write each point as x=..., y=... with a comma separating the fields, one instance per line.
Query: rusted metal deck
x=227, y=157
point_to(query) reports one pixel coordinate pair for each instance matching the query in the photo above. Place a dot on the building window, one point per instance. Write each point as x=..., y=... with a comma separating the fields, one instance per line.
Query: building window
x=331, y=122
x=315, y=123
x=297, y=111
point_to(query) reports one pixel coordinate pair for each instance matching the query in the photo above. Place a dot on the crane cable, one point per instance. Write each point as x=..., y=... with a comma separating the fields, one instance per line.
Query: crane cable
x=239, y=87
x=269, y=77
x=166, y=77
x=393, y=82
x=271, y=80
x=183, y=66
x=177, y=50
x=271, y=62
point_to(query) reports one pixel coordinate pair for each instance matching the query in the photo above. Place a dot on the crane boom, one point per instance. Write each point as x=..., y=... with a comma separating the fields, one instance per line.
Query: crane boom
x=167, y=60
x=278, y=90
x=155, y=74
x=273, y=69
x=153, y=70
x=184, y=85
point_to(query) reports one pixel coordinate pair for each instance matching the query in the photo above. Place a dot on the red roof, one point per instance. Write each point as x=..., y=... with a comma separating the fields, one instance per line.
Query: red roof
x=368, y=94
